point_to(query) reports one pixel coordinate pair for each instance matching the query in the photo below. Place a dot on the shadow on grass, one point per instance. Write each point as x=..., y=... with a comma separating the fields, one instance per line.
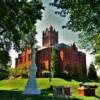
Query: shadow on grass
x=76, y=79
x=85, y=80
x=97, y=97
x=17, y=95
x=67, y=79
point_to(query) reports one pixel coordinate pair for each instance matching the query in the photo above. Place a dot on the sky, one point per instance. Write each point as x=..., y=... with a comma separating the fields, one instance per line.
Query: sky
x=50, y=18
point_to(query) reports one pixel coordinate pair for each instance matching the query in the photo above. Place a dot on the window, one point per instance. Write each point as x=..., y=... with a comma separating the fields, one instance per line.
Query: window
x=74, y=56
x=29, y=57
x=65, y=53
x=42, y=66
x=20, y=60
x=16, y=62
x=40, y=55
x=45, y=54
x=25, y=58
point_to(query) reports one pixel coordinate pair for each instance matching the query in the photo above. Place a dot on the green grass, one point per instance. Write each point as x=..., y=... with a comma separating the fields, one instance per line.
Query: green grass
x=11, y=89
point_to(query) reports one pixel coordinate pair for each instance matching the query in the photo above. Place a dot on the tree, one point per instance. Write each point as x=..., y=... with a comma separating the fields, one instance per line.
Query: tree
x=4, y=59
x=84, y=17
x=54, y=64
x=97, y=60
x=92, y=72
x=4, y=73
x=25, y=72
x=17, y=19
x=15, y=72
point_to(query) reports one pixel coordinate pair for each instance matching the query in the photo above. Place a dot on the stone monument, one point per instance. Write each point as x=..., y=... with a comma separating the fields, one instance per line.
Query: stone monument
x=31, y=86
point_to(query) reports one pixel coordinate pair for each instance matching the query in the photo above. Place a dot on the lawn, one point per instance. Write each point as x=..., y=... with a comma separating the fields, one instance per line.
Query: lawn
x=11, y=89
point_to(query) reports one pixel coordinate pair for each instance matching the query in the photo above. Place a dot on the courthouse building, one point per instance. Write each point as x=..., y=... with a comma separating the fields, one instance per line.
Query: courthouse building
x=70, y=59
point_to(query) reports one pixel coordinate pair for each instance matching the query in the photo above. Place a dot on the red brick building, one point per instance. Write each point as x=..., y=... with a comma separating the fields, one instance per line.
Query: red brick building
x=70, y=58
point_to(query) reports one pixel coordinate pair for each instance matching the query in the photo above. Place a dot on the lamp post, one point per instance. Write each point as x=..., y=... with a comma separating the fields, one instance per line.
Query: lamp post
x=31, y=86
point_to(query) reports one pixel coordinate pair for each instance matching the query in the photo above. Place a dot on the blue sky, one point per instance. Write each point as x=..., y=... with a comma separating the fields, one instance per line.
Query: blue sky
x=49, y=18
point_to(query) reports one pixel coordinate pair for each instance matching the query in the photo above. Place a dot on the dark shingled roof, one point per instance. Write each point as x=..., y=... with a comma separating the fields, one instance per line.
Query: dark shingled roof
x=61, y=45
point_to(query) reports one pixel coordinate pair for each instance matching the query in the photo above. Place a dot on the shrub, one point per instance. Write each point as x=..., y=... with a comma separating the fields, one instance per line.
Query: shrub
x=15, y=72
x=92, y=74
x=65, y=75
x=46, y=73
x=24, y=73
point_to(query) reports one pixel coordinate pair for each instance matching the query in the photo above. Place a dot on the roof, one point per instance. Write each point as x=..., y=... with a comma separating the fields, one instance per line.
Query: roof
x=61, y=45
x=56, y=46
x=41, y=48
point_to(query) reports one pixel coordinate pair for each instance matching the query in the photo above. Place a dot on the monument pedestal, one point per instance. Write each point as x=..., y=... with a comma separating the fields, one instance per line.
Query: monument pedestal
x=31, y=86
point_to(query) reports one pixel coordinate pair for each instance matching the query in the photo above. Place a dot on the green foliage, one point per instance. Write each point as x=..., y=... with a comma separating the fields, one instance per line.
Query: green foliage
x=92, y=72
x=11, y=71
x=15, y=72
x=65, y=75
x=29, y=39
x=24, y=72
x=3, y=74
x=4, y=59
x=83, y=18
x=18, y=72
x=97, y=60
x=17, y=19
x=55, y=66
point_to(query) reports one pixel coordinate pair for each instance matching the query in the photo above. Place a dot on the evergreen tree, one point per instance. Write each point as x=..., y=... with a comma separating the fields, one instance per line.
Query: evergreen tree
x=55, y=68
x=92, y=72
